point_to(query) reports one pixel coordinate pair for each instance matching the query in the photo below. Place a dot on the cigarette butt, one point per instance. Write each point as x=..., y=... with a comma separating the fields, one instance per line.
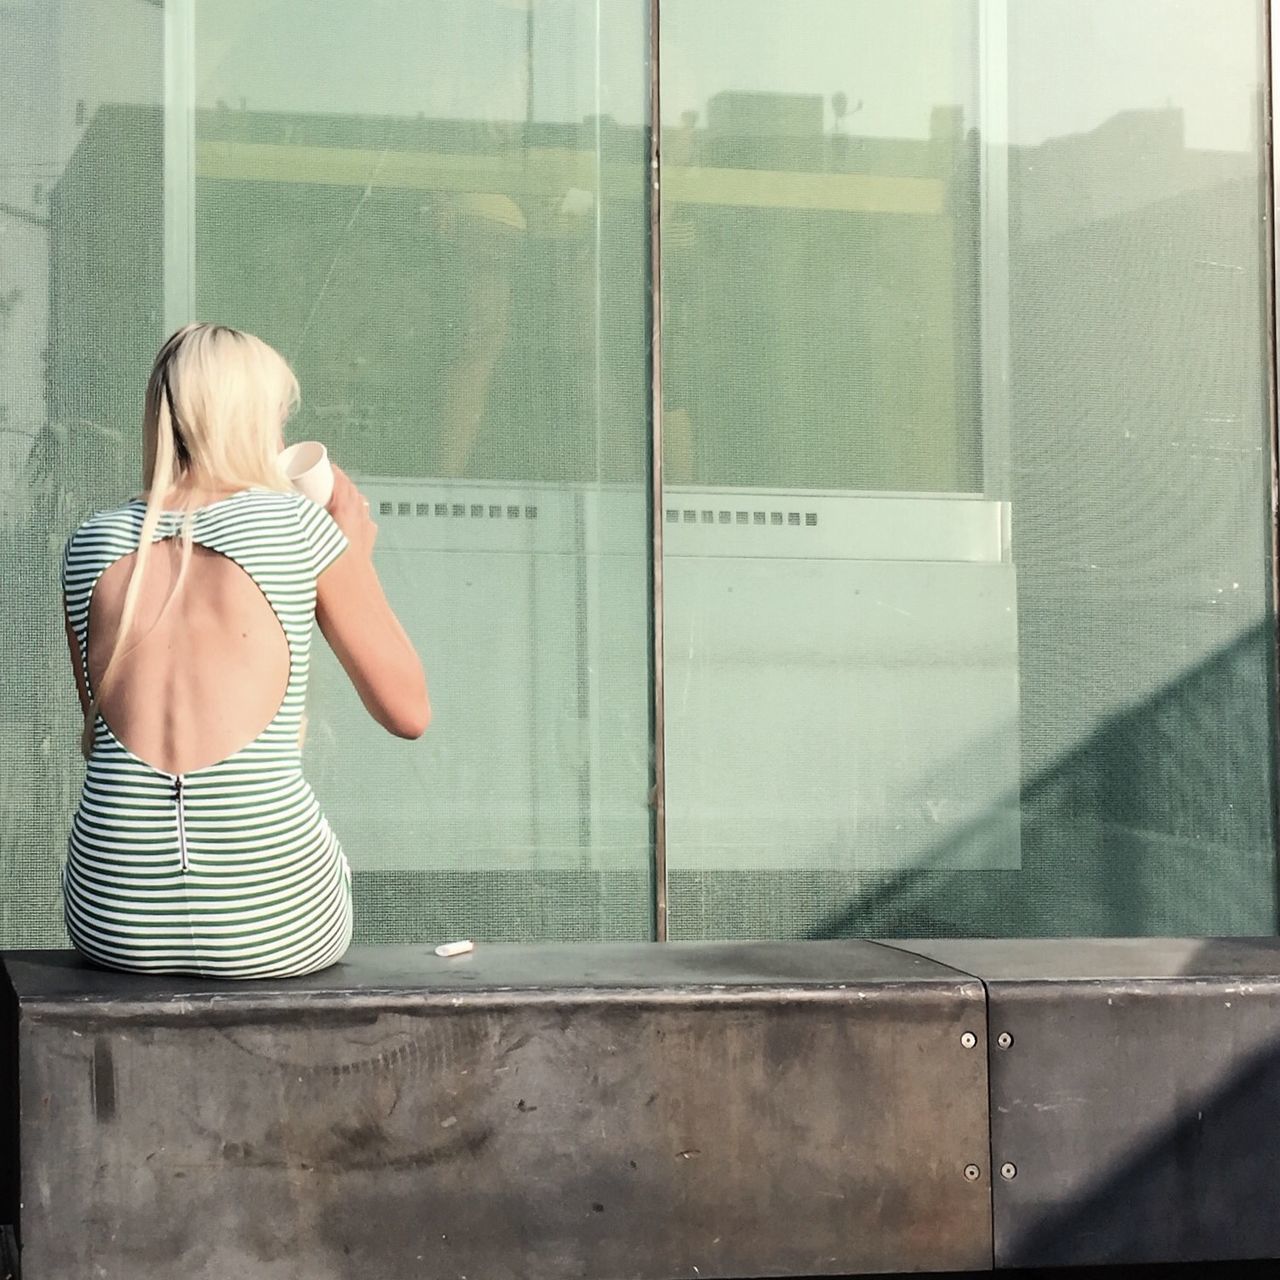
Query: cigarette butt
x=447, y=949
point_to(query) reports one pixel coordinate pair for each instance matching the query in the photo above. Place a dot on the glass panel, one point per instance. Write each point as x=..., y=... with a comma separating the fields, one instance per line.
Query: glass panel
x=1138, y=467
x=968, y=626
x=81, y=223
x=817, y=244
x=436, y=209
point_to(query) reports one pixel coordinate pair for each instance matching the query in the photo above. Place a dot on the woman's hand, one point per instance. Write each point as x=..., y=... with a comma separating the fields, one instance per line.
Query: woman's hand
x=350, y=510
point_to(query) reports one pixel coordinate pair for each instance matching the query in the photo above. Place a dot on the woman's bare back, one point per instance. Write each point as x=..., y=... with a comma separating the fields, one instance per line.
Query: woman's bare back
x=198, y=680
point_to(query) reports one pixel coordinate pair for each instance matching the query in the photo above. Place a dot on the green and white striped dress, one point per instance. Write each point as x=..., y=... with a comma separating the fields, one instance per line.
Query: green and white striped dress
x=230, y=870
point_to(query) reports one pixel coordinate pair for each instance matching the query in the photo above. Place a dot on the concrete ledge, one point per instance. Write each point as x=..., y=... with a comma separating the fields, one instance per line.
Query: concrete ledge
x=612, y=1111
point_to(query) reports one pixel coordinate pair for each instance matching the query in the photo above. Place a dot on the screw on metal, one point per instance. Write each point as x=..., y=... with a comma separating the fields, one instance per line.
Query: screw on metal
x=972, y=1173
x=968, y=1039
x=1008, y=1172
x=1004, y=1040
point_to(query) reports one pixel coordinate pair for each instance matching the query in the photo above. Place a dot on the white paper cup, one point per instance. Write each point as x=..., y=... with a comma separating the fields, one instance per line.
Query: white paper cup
x=306, y=464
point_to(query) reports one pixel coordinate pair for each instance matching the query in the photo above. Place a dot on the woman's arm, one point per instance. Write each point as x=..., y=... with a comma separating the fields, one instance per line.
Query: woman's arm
x=358, y=622
x=77, y=666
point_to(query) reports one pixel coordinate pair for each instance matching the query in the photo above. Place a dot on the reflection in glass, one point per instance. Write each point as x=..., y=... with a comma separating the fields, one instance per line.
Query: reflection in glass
x=436, y=210
x=818, y=228
x=1138, y=469
x=81, y=225
x=446, y=206
x=967, y=623
x=968, y=627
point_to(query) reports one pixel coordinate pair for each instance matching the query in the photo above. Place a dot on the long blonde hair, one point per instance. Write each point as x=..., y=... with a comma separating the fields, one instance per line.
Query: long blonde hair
x=216, y=404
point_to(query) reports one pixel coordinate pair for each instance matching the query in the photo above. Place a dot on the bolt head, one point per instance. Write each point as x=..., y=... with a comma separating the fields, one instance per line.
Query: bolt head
x=972, y=1173
x=968, y=1039
x=1008, y=1172
x=1004, y=1040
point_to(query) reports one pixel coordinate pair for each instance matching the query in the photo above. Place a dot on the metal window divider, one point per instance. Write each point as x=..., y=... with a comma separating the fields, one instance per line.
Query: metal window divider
x=661, y=909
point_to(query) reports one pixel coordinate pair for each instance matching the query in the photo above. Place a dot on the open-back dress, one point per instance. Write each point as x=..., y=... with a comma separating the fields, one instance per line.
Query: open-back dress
x=230, y=870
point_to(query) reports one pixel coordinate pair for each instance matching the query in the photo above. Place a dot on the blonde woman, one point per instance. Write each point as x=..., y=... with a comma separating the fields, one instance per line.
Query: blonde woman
x=198, y=846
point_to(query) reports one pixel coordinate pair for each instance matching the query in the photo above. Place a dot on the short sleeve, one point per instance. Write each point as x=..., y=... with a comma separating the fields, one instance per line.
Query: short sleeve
x=77, y=577
x=64, y=569
x=324, y=541
x=77, y=574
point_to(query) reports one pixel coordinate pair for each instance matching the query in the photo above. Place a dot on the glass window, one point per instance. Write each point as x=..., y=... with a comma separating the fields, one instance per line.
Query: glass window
x=968, y=628
x=81, y=281
x=436, y=210
x=965, y=431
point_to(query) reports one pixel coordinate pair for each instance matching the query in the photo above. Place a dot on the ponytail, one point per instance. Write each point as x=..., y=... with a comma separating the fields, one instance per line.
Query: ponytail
x=171, y=459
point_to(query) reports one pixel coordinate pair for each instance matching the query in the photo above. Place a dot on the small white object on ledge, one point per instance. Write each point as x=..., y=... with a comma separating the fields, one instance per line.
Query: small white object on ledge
x=447, y=949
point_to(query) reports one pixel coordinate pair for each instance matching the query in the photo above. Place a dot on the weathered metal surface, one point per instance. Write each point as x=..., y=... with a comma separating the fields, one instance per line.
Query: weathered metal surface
x=59, y=976
x=696, y=1110
x=1135, y=1097
x=8, y=1253
x=8, y=1123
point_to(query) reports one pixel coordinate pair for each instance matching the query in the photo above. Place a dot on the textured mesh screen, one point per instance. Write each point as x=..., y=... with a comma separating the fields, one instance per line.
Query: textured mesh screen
x=81, y=251
x=965, y=406
x=435, y=209
x=925, y=250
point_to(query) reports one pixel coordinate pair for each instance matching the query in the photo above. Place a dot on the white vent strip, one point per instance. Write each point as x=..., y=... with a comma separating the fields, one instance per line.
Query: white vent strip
x=542, y=519
x=737, y=516
x=512, y=511
x=457, y=510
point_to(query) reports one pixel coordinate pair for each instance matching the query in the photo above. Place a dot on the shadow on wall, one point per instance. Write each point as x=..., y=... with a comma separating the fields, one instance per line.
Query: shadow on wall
x=1115, y=842
x=1205, y=1183
x=1175, y=1271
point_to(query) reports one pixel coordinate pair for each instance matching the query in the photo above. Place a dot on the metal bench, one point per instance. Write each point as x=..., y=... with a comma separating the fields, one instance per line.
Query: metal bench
x=650, y=1111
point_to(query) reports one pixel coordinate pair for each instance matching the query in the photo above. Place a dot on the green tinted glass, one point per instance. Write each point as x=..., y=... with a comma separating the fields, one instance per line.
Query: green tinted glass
x=964, y=391
x=968, y=627
x=81, y=295
x=436, y=210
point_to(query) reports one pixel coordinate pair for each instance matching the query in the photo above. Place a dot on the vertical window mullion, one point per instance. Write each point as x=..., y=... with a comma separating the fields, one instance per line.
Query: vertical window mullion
x=656, y=612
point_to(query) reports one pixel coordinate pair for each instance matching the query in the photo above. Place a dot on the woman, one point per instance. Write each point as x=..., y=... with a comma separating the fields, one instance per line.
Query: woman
x=198, y=847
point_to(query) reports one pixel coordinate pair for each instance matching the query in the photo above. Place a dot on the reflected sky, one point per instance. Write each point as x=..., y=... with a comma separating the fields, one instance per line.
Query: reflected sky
x=1073, y=63
x=1068, y=67
x=444, y=59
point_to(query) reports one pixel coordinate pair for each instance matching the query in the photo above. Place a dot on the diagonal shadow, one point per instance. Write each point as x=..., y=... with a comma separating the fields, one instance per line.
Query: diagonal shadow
x=1120, y=836
x=1202, y=1187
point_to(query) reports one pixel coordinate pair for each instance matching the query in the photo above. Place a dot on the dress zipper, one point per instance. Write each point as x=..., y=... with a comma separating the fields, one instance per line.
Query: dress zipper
x=182, y=824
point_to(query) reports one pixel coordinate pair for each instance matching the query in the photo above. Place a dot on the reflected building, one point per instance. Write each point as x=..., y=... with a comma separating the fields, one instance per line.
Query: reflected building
x=965, y=429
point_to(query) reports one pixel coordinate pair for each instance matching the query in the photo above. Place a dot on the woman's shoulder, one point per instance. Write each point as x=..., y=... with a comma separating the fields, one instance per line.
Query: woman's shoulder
x=266, y=502
x=284, y=523
x=109, y=523
x=274, y=512
x=272, y=518
x=98, y=540
x=281, y=499
x=268, y=507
